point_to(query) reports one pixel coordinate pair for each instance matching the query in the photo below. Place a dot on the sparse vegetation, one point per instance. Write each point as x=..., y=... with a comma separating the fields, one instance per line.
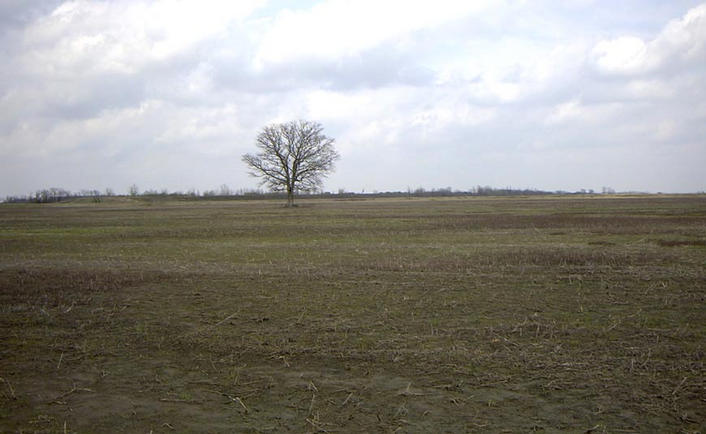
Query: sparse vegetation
x=452, y=314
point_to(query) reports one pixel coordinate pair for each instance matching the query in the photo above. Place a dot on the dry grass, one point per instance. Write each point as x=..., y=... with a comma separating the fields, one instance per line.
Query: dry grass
x=387, y=315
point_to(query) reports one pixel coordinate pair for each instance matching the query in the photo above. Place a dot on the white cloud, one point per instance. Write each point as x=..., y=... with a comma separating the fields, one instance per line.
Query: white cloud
x=170, y=93
x=650, y=89
x=341, y=28
x=97, y=37
x=626, y=54
x=681, y=41
x=685, y=38
x=564, y=112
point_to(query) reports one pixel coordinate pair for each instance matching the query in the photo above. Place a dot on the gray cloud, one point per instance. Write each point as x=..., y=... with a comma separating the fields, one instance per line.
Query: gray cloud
x=576, y=95
x=18, y=13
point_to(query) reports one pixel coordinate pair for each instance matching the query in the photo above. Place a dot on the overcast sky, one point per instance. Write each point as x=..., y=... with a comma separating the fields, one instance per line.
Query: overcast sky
x=528, y=94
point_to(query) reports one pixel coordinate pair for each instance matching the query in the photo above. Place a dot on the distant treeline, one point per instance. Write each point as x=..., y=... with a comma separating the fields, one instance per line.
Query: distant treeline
x=54, y=194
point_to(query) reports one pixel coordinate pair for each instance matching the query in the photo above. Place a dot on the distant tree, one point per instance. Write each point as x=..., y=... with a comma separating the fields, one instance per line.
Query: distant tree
x=224, y=190
x=294, y=156
x=133, y=190
x=54, y=194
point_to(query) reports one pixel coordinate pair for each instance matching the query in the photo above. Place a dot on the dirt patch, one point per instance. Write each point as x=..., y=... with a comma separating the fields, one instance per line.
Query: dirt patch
x=677, y=243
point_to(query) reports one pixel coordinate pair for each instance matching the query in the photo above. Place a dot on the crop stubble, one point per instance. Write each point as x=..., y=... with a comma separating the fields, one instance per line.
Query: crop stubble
x=456, y=314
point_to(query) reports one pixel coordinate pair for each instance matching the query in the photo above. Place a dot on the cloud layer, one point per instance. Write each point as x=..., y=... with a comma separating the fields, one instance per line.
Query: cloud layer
x=169, y=94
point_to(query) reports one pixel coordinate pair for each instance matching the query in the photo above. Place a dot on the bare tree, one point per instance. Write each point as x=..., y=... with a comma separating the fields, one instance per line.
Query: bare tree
x=224, y=190
x=133, y=190
x=294, y=156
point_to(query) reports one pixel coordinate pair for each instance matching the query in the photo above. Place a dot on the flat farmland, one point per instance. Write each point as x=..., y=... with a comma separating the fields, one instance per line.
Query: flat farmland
x=549, y=314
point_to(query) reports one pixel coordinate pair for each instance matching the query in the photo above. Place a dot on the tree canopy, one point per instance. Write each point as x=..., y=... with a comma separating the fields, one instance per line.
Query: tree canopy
x=293, y=156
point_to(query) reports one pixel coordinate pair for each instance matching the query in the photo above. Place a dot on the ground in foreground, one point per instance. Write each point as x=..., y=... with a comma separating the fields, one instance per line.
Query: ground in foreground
x=411, y=315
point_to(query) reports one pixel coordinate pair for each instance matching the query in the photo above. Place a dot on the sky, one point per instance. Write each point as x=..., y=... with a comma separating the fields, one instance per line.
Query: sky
x=166, y=94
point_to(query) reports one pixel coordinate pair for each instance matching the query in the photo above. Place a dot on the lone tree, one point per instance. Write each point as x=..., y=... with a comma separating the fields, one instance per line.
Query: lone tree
x=294, y=156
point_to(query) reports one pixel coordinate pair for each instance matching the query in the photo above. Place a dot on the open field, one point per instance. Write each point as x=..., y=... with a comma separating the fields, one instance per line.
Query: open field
x=400, y=315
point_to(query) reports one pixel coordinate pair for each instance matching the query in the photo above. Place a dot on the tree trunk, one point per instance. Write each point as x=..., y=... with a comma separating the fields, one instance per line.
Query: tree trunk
x=290, y=198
